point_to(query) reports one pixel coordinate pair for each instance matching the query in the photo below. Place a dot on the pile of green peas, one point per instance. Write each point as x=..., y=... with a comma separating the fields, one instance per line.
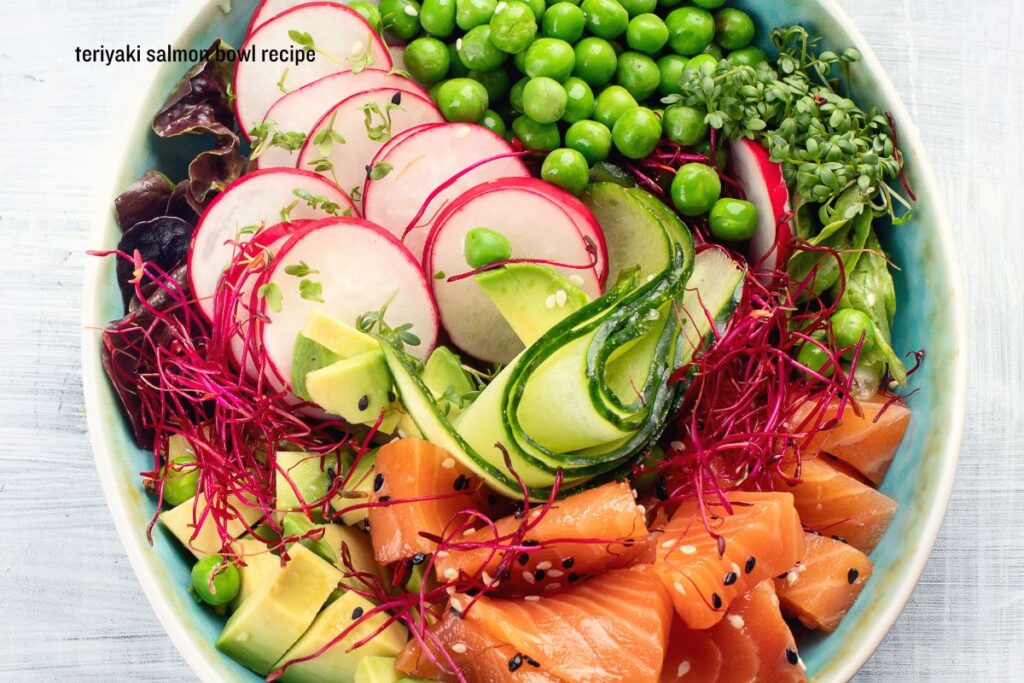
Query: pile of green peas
x=576, y=78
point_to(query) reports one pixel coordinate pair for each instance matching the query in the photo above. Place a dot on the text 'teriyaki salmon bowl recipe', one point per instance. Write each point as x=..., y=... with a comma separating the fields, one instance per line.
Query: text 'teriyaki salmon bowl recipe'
x=500, y=340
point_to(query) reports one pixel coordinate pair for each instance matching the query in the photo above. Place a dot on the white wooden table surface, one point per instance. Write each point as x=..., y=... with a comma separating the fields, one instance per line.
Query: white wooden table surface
x=70, y=607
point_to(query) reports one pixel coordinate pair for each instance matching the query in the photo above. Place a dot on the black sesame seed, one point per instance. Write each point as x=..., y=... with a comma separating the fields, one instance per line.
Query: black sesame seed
x=492, y=499
x=356, y=613
x=852, y=575
x=457, y=613
x=523, y=558
x=531, y=661
x=368, y=170
x=364, y=402
x=392, y=397
x=461, y=482
x=791, y=656
x=366, y=523
x=661, y=488
x=840, y=539
x=751, y=563
x=716, y=601
x=629, y=542
x=530, y=543
x=730, y=578
x=782, y=575
x=515, y=662
x=396, y=98
x=518, y=514
x=473, y=592
x=384, y=499
x=574, y=577
x=418, y=558
x=331, y=474
x=378, y=482
x=568, y=562
x=539, y=575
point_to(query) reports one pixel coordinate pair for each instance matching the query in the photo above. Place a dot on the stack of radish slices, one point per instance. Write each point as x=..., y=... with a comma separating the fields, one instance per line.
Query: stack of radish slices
x=372, y=210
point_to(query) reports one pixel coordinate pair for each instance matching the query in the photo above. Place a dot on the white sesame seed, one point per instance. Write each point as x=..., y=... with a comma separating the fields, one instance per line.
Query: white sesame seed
x=442, y=553
x=528, y=577
x=676, y=445
x=669, y=543
x=451, y=573
x=469, y=532
x=532, y=598
x=459, y=648
x=450, y=590
x=684, y=668
x=458, y=44
x=552, y=586
x=485, y=576
x=544, y=566
x=561, y=298
x=687, y=549
x=735, y=569
x=456, y=604
x=448, y=463
x=791, y=578
x=736, y=621
x=679, y=588
x=555, y=573
x=641, y=509
x=576, y=279
x=549, y=302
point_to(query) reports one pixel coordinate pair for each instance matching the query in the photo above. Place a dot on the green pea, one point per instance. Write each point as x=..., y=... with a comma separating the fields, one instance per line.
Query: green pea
x=534, y=135
x=635, y=8
x=579, y=100
x=646, y=33
x=591, y=139
x=435, y=89
x=595, y=61
x=456, y=69
x=519, y=60
x=472, y=13
x=544, y=99
x=181, y=479
x=515, y=95
x=748, y=56
x=611, y=103
x=215, y=580
x=368, y=11
x=400, y=18
x=849, y=326
x=605, y=18
x=427, y=60
x=493, y=122
x=815, y=358
x=484, y=246
x=690, y=30
x=438, y=17
x=495, y=82
x=513, y=27
x=638, y=74
x=733, y=220
x=462, y=99
x=695, y=189
x=636, y=132
x=684, y=125
x=670, y=69
x=698, y=61
x=563, y=20
x=538, y=7
x=550, y=57
x=476, y=51
x=713, y=50
x=566, y=168
x=734, y=29
x=721, y=153
x=709, y=4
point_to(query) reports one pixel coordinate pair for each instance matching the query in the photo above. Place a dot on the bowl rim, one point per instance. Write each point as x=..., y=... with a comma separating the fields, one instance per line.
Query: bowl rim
x=135, y=545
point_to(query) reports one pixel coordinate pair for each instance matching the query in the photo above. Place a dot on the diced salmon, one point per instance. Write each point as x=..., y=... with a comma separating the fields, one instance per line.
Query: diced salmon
x=611, y=628
x=820, y=590
x=762, y=537
x=834, y=503
x=692, y=656
x=868, y=441
x=418, y=489
x=553, y=560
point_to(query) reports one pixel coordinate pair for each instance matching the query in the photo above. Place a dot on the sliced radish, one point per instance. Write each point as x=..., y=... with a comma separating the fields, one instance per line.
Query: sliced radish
x=255, y=199
x=341, y=36
x=353, y=119
x=537, y=227
x=397, y=57
x=299, y=110
x=582, y=216
x=268, y=9
x=423, y=161
x=765, y=187
x=361, y=268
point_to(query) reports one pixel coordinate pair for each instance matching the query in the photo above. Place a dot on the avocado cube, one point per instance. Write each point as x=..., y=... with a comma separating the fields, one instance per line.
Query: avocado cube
x=336, y=336
x=358, y=488
x=310, y=474
x=273, y=618
x=181, y=522
x=259, y=569
x=355, y=389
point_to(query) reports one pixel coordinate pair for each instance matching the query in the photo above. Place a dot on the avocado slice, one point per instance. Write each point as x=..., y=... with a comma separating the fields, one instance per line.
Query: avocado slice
x=360, y=553
x=360, y=482
x=273, y=618
x=356, y=389
x=259, y=570
x=337, y=665
x=339, y=338
x=376, y=670
x=309, y=472
x=532, y=298
x=307, y=357
x=181, y=521
x=445, y=377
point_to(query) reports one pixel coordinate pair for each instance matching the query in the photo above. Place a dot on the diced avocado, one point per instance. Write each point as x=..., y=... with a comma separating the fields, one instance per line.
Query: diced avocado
x=415, y=580
x=259, y=570
x=181, y=521
x=356, y=389
x=407, y=428
x=273, y=618
x=532, y=298
x=360, y=552
x=310, y=473
x=296, y=524
x=376, y=669
x=357, y=490
x=338, y=337
x=444, y=369
x=337, y=665
x=307, y=357
x=633, y=235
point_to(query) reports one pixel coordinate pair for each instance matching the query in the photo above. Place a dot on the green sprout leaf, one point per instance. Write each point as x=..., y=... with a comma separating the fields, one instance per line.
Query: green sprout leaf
x=271, y=293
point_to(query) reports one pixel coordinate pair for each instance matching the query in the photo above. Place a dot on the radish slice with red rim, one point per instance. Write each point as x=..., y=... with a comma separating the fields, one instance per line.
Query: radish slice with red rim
x=299, y=110
x=535, y=225
x=365, y=121
x=765, y=187
x=250, y=203
x=268, y=9
x=356, y=267
x=345, y=42
x=424, y=160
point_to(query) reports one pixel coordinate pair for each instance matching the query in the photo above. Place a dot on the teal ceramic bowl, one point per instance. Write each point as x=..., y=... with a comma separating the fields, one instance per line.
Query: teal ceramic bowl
x=932, y=317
